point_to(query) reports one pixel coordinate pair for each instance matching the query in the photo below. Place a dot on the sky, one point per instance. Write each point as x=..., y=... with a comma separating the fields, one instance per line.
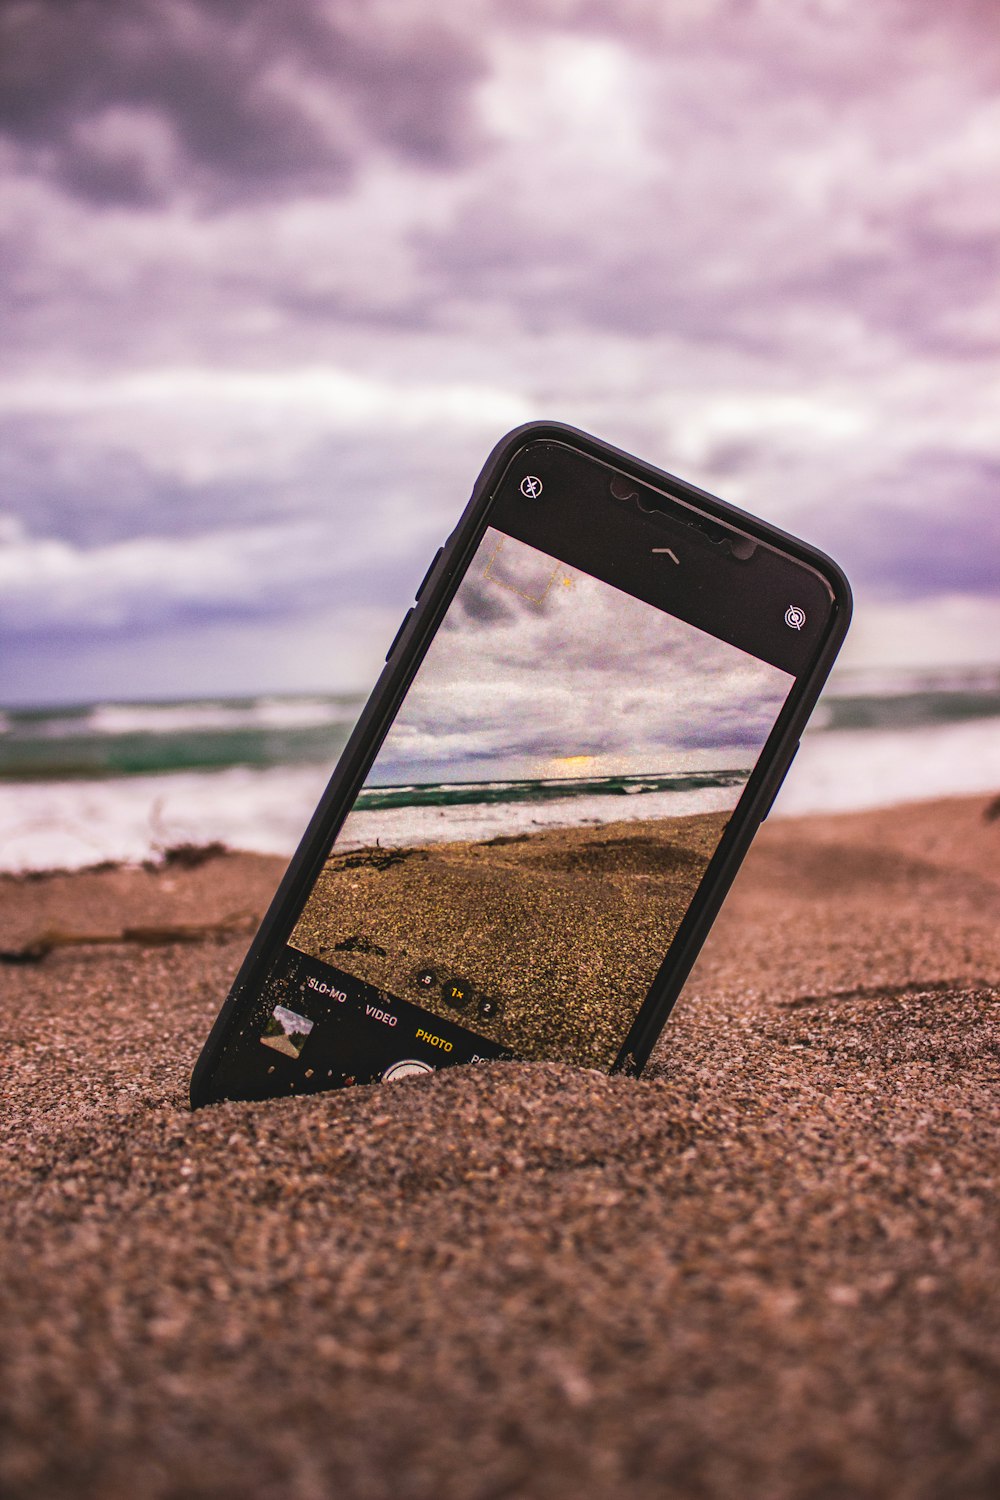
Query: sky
x=277, y=277
x=541, y=671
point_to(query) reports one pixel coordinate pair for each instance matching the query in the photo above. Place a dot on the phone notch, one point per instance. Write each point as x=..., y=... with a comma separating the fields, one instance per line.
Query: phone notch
x=661, y=508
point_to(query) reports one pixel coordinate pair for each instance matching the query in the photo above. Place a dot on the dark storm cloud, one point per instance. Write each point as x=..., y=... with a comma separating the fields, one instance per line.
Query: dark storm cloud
x=483, y=605
x=130, y=102
x=742, y=727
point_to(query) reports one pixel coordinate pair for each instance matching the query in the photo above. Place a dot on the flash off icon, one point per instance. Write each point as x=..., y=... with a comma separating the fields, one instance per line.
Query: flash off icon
x=795, y=617
x=531, y=486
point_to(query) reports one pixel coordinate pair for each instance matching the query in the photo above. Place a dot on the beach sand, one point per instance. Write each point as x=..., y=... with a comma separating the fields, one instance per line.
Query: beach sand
x=562, y=930
x=768, y=1269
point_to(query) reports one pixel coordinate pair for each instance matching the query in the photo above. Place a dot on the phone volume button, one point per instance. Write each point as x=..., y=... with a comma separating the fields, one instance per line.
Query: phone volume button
x=430, y=570
x=395, y=640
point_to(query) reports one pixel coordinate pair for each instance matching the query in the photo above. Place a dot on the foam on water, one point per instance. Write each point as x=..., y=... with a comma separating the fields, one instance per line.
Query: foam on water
x=852, y=769
x=177, y=718
x=70, y=824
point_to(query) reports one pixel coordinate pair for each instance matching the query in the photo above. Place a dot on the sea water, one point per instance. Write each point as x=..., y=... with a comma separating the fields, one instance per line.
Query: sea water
x=123, y=781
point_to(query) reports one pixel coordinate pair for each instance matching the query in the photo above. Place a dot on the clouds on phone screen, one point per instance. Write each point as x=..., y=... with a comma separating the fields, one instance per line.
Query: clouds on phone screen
x=538, y=664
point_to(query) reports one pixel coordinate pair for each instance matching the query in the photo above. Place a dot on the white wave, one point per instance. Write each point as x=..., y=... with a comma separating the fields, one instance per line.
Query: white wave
x=470, y=786
x=69, y=824
x=848, y=769
x=180, y=718
x=301, y=713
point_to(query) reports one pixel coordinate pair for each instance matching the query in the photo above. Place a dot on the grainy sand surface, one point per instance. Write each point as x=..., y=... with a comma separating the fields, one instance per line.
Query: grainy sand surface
x=770, y=1268
x=568, y=925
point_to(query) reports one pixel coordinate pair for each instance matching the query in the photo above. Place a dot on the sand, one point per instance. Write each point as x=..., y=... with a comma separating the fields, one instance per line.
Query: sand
x=769, y=1268
x=561, y=930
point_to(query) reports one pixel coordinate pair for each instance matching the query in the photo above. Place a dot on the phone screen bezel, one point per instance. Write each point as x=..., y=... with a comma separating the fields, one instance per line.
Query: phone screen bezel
x=489, y=504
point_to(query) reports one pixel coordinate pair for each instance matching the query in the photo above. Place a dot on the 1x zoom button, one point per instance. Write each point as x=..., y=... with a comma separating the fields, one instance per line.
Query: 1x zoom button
x=430, y=570
x=399, y=632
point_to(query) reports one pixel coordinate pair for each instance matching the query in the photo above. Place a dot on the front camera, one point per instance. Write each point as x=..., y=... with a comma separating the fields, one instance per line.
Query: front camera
x=742, y=547
x=624, y=488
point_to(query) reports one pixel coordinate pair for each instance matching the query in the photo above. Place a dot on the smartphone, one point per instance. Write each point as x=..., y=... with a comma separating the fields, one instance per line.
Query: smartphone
x=581, y=724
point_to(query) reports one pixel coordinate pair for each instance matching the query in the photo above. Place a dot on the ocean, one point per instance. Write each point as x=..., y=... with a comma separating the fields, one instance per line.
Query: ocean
x=123, y=781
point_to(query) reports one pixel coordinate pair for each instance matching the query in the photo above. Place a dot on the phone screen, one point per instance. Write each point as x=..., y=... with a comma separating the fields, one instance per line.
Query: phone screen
x=528, y=839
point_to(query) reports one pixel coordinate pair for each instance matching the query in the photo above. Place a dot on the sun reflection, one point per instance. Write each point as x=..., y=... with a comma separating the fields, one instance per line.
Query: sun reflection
x=569, y=765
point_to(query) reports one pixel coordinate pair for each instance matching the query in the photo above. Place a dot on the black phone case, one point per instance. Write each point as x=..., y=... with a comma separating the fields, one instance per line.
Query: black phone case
x=403, y=659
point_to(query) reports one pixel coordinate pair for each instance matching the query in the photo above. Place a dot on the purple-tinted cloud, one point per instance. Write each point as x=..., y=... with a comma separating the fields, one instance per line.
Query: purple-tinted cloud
x=948, y=542
x=132, y=103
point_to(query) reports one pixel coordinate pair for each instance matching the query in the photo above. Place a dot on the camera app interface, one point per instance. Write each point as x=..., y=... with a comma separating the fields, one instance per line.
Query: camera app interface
x=528, y=839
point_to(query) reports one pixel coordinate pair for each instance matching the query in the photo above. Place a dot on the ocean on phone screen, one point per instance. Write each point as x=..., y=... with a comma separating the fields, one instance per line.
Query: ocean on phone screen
x=92, y=782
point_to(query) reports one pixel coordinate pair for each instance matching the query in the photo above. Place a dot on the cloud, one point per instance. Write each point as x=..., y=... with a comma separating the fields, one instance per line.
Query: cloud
x=941, y=540
x=48, y=585
x=178, y=451
x=759, y=182
x=132, y=103
x=482, y=605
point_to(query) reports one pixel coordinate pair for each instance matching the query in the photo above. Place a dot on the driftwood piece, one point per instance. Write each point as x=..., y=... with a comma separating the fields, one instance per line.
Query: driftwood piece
x=153, y=935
